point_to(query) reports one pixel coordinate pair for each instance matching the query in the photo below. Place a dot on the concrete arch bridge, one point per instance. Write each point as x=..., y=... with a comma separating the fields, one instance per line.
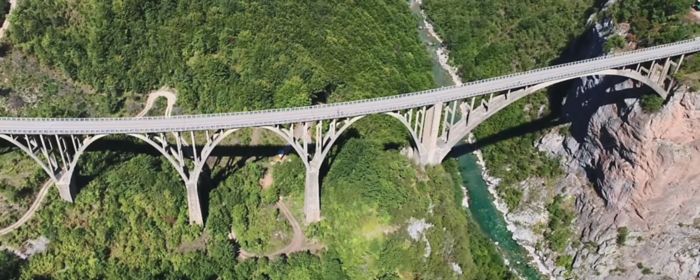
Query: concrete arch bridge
x=436, y=119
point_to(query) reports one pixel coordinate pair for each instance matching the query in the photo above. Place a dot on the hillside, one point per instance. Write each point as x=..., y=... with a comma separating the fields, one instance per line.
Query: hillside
x=130, y=215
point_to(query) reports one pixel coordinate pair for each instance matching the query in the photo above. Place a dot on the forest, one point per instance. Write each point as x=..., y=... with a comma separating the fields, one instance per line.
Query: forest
x=224, y=56
x=129, y=218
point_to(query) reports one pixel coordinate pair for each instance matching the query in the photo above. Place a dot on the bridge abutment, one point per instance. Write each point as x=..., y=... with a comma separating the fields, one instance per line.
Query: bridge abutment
x=194, y=208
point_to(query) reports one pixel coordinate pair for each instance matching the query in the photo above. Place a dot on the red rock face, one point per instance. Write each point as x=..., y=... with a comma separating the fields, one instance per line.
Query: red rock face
x=647, y=170
x=650, y=162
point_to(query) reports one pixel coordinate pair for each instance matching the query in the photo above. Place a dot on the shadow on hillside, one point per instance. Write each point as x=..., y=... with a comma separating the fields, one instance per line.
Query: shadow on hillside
x=577, y=110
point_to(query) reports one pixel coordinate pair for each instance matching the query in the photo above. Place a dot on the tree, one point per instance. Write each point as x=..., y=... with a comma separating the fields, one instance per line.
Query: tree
x=10, y=265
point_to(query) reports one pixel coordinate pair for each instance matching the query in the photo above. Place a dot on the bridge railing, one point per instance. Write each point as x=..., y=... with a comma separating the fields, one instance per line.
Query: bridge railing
x=384, y=98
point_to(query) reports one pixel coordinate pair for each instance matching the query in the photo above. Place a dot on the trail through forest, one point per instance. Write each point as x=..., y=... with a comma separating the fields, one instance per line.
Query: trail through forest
x=32, y=209
x=298, y=243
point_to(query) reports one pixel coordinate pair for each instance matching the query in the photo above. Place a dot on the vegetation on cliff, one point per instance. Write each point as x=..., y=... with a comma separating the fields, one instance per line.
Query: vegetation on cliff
x=655, y=22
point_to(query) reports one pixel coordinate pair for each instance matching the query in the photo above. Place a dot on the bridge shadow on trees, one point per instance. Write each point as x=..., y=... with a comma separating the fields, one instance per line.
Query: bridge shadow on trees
x=229, y=159
x=565, y=104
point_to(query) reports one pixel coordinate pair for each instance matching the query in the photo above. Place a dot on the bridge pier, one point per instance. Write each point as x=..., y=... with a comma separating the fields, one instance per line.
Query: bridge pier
x=312, y=194
x=194, y=208
x=430, y=136
x=66, y=188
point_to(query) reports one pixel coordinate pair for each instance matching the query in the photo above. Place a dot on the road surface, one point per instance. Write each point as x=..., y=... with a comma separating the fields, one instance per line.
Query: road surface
x=342, y=110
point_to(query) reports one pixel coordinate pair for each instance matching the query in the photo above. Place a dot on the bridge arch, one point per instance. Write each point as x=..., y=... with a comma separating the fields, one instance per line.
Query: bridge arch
x=463, y=131
x=28, y=152
x=65, y=182
x=332, y=139
x=313, y=160
x=63, y=177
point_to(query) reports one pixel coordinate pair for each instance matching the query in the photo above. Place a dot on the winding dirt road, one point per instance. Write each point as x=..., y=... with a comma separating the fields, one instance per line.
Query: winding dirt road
x=298, y=243
x=165, y=92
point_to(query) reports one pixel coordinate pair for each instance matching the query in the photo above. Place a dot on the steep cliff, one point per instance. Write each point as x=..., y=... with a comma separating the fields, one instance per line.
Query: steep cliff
x=639, y=214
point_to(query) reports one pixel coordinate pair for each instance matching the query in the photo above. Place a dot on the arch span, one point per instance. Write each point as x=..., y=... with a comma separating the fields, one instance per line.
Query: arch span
x=65, y=182
x=313, y=160
x=206, y=152
x=481, y=114
x=333, y=138
x=27, y=151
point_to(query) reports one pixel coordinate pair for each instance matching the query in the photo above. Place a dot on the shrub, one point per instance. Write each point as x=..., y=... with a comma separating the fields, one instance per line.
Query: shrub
x=651, y=103
x=622, y=233
x=614, y=42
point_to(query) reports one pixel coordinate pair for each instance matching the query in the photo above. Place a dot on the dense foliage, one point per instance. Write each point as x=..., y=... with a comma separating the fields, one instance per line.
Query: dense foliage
x=655, y=22
x=229, y=55
x=651, y=102
x=9, y=265
x=559, y=233
x=492, y=38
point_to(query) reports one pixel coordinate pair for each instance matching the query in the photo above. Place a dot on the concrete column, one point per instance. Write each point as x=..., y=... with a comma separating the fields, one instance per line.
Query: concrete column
x=194, y=209
x=312, y=195
x=66, y=188
x=431, y=131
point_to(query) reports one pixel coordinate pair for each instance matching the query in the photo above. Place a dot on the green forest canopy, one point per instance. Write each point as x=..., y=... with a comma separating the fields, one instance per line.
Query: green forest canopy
x=230, y=55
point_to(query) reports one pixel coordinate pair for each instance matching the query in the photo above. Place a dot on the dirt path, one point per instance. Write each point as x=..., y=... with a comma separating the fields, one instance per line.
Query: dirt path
x=152, y=97
x=6, y=24
x=32, y=209
x=298, y=239
x=165, y=92
x=298, y=243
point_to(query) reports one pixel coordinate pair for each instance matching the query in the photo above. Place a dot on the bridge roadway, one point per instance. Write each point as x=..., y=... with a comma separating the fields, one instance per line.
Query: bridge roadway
x=45, y=126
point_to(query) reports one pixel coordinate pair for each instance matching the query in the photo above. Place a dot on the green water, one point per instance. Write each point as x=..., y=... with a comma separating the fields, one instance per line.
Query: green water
x=490, y=219
x=481, y=206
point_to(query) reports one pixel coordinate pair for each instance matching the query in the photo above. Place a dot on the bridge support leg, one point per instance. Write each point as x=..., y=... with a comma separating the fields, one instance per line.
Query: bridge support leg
x=312, y=195
x=431, y=131
x=194, y=209
x=66, y=188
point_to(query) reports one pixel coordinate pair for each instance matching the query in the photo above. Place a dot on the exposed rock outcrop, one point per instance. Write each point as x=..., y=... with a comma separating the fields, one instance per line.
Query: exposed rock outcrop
x=645, y=175
x=630, y=171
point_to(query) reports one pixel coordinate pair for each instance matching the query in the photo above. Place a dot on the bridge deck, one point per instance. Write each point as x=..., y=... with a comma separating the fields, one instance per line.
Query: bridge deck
x=340, y=110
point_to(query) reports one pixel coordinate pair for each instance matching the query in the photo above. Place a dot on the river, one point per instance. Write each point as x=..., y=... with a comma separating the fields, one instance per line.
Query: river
x=481, y=206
